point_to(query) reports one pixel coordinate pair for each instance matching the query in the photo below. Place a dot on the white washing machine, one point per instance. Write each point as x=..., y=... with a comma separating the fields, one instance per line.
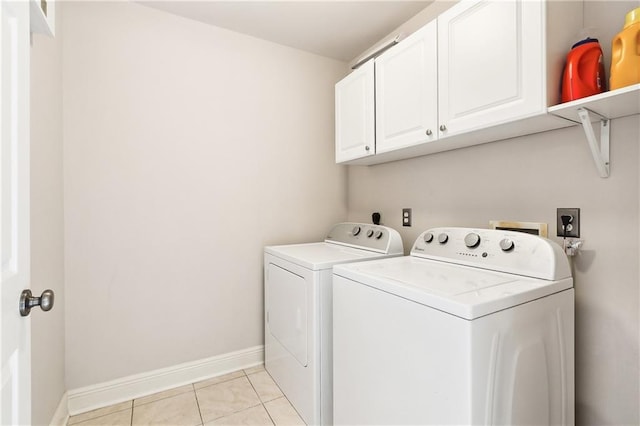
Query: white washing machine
x=298, y=310
x=475, y=327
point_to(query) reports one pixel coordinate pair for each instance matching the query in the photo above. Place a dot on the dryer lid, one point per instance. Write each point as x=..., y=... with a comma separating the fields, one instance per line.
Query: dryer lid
x=318, y=256
x=345, y=242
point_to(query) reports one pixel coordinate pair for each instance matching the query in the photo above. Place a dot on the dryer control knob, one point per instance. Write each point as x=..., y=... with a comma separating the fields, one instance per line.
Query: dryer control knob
x=355, y=231
x=370, y=233
x=428, y=237
x=506, y=244
x=379, y=235
x=472, y=240
x=443, y=238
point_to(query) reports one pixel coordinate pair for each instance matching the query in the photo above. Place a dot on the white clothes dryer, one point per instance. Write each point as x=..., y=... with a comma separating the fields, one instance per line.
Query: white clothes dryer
x=298, y=313
x=475, y=327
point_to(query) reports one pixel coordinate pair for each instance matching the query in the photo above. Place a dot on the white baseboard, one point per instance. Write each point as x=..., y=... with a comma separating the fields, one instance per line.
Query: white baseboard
x=61, y=416
x=108, y=393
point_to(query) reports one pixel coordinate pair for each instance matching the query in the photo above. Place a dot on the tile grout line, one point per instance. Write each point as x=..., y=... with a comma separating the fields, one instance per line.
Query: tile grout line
x=197, y=403
x=260, y=398
x=244, y=375
x=285, y=397
x=268, y=413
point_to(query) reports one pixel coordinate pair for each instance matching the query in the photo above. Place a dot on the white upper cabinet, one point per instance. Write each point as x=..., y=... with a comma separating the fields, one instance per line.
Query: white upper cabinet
x=491, y=65
x=407, y=92
x=355, y=125
x=484, y=70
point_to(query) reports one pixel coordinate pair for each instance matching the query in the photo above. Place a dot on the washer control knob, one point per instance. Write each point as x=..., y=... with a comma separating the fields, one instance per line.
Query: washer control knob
x=472, y=240
x=370, y=233
x=443, y=238
x=379, y=235
x=356, y=230
x=428, y=237
x=506, y=244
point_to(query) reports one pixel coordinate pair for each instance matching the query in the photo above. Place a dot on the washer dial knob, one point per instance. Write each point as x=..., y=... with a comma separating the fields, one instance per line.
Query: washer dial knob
x=506, y=244
x=472, y=240
x=370, y=233
x=356, y=230
x=443, y=238
x=428, y=237
x=379, y=235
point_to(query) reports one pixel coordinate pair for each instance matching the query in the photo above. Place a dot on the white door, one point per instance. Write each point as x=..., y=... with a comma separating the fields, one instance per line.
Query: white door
x=407, y=92
x=355, y=126
x=15, y=378
x=490, y=63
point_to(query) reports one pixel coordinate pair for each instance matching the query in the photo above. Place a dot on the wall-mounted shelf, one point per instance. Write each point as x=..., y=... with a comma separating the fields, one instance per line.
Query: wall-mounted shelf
x=600, y=108
x=613, y=104
x=42, y=16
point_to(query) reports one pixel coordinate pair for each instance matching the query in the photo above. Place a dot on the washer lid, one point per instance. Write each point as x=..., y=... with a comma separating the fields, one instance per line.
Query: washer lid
x=317, y=256
x=464, y=291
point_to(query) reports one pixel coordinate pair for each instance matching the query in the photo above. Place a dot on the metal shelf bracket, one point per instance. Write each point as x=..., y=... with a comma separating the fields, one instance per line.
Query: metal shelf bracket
x=599, y=151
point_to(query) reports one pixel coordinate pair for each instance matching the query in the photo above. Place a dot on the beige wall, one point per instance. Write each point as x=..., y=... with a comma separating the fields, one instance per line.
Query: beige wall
x=527, y=179
x=187, y=149
x=47, y=329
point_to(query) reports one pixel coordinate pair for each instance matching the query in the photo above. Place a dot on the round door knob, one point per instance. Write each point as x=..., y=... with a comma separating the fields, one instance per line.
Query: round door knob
x=429, y=132
x=428, y=237
x=366, y=148
x=356, y=230
x=506, y=244
x=28, y=301
x=443, y=127
x=472, y=240
x=443, y=238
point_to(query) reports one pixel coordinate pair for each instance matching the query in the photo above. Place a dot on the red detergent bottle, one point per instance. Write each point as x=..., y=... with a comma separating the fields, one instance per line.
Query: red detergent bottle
x=584, y=71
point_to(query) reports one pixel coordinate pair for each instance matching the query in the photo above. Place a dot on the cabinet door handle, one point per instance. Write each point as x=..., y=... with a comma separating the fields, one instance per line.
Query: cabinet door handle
x=443, y=127
x=429, y=132
x=366, y=148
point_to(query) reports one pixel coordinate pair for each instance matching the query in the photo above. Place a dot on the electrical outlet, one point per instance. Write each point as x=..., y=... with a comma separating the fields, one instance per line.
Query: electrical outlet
x=406, y=217
x=573, y=229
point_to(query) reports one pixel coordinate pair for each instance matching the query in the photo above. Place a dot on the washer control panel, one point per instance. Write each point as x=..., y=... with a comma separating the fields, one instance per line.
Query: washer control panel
x=366, y=236
x=505, y=251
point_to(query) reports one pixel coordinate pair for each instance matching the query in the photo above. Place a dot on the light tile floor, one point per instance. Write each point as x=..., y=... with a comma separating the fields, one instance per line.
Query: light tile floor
x=245, y=397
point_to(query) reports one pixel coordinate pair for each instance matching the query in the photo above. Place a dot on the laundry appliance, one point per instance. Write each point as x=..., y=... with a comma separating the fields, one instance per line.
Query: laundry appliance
x=475, y=327
x=298, y=313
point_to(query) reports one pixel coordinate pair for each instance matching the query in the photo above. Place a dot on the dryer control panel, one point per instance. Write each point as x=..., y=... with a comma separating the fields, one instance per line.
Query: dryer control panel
x=376, y=238
x=497, y=250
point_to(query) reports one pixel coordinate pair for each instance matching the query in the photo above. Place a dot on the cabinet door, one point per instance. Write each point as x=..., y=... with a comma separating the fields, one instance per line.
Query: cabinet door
x=355, y=127
x=406, y=92
x=490, y=63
